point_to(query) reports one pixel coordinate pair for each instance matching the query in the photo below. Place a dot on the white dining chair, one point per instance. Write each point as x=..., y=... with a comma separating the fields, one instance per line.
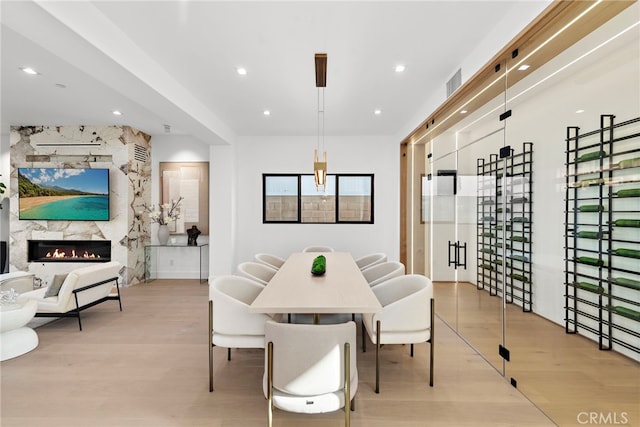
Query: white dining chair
x=310, y=368
x=230, y=323
x=370, y=260
x=270, y=260
x=407, y=317
x=317, y=248
x=382, y=272
x=256, y=271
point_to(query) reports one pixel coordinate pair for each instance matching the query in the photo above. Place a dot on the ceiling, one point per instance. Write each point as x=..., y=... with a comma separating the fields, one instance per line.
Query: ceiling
x=174, y=63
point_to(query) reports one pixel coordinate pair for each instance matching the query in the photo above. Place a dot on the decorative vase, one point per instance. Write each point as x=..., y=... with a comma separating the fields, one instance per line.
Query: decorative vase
x=163, y=234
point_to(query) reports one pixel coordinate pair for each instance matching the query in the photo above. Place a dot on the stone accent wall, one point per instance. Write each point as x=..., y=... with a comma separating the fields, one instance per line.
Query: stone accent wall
x=318, y=209
x=126, y=152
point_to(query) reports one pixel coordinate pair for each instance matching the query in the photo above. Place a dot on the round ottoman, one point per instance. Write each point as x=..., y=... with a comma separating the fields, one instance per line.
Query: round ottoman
x=15, y=338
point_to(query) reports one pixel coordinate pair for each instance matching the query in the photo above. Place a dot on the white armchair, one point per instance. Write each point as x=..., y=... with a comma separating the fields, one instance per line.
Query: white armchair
x=270, y=260
x=382, y=272
x=370, y=260
x=310, y=368
x=257, y=272
x=407, y=317
x=230, y=323
x=316, y=248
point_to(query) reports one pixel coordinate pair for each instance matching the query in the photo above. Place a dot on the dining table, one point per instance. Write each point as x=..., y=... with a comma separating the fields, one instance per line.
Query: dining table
x=295, y=290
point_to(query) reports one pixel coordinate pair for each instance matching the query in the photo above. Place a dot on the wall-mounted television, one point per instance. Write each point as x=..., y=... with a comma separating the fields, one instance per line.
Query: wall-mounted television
x=65, y=194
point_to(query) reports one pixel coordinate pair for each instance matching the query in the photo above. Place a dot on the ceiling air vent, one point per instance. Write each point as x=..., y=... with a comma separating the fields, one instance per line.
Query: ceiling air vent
x=139, y=153
x=454, y=83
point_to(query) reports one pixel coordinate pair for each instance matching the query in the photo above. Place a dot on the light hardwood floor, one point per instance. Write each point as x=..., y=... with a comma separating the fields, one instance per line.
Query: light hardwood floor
x=147, y=366
x=566, y=376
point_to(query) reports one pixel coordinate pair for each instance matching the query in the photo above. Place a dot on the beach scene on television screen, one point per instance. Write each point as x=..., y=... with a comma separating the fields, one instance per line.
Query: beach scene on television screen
x=80, y=194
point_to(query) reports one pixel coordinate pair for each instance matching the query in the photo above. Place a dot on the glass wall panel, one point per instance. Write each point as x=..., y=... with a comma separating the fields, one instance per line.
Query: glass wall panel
x=540, y=213
x=569, y=95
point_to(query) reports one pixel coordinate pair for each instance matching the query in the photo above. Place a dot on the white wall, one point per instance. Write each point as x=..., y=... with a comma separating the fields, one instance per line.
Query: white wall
x=223, y=185
x=258, y=155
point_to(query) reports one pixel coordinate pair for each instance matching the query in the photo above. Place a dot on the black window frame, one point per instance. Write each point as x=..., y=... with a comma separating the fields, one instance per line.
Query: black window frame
x=299, y=176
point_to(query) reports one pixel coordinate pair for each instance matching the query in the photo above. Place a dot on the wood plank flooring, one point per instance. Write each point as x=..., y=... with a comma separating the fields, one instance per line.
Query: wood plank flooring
x=566, y=376
x=147, y=367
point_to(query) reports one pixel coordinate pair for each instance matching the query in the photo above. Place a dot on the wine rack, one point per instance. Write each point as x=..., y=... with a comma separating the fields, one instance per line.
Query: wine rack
x=504, y=232
x=602, y=237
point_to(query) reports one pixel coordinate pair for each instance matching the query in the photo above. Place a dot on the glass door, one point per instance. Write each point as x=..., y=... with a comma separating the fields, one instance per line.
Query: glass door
x=446, y=253
x=469, y=222
x=481, y=224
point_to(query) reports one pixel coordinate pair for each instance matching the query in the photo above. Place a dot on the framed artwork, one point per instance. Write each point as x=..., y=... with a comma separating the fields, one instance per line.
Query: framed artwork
x=189, y=180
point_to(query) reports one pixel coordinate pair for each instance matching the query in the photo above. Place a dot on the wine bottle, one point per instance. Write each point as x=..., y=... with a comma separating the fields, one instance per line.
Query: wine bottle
x=592, y=156
x=590, y=260
x=629, y=283
x=588, y=287
x=631, y=192
x=589, y=234
x=627, y=312
x=627, y=222
x=630, y=253
x=591, y=208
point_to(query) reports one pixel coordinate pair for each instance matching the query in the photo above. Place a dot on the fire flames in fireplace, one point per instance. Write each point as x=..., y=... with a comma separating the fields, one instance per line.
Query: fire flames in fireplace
x=69, y=250
x=58, y=253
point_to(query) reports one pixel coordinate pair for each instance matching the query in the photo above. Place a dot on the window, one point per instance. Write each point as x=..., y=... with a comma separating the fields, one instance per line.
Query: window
x=280, y=198
x=347, y=198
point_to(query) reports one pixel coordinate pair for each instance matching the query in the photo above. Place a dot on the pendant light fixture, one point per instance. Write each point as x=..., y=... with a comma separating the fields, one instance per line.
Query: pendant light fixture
x=320, y=167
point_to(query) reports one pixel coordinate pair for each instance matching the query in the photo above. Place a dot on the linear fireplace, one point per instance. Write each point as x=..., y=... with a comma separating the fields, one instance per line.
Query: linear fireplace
x=69, y=250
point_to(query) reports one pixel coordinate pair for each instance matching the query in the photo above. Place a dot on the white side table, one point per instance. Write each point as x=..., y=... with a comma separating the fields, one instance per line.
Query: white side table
x=17, y=339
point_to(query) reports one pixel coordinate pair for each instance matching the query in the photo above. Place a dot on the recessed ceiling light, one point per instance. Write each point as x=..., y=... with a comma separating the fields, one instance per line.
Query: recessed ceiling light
x=463, y=111
x=523, y=67
x=579, y=111
x=400, y=68
x=266, y=112
x=377, y=112
x=29, y=70
x=116, y=113
x=242, y=71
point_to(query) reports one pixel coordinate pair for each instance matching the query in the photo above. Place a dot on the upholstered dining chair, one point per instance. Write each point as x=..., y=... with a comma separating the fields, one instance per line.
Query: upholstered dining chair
x=317, y=248
x=370, y=260
x=256, y=271
x=407, y=317
x=310, y=368
x=230, y=323
x=270, y=260
x=382, y=272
